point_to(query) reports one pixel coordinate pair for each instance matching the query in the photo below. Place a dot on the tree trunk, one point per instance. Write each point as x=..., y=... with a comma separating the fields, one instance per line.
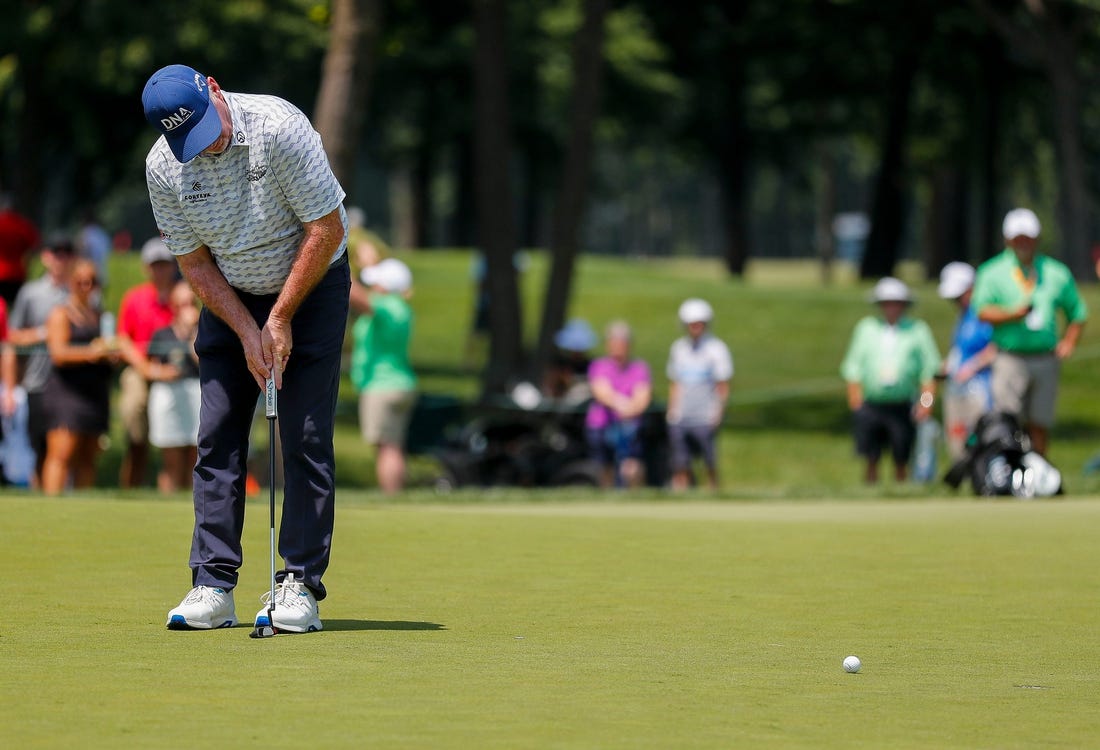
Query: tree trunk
x=1074, y=197
x=945, y=229
x=573, y=187
x=887, y=207
x=825, y=203
x=345, y=82
x=493, y=194
x=421, y=196
x=730, y=133
x=462, y=222
x=989, y=142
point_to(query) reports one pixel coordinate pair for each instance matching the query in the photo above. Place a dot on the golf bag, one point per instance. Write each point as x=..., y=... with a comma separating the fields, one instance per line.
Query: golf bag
x=999, y=461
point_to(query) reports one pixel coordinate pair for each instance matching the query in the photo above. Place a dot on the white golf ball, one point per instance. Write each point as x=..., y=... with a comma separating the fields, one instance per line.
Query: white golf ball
x=852, y=664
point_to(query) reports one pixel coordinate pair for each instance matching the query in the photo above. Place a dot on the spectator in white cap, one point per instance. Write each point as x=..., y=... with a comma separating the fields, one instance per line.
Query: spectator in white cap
x=144, y=309
x=699, y=372
x=1021, y=293
x=967, y=371
x=890, y=369
x=380, y=368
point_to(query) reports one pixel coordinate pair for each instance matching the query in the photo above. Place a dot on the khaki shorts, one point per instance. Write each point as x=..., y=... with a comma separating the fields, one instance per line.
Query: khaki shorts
x=1026, y=386
x=133, y=405
x=384, y=416
x=961, y=411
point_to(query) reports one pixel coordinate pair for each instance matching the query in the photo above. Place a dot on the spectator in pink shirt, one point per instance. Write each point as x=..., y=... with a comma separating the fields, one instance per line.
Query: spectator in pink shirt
x=621, y=391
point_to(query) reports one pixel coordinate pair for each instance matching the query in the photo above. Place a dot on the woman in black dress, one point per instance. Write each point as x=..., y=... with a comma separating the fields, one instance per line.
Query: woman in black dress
x=77, y=394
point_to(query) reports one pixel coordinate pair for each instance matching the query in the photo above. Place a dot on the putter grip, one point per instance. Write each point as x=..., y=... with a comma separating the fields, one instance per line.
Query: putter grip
x=271, y=400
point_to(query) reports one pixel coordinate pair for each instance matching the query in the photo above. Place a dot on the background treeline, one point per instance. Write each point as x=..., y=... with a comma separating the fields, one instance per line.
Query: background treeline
x=640, y=127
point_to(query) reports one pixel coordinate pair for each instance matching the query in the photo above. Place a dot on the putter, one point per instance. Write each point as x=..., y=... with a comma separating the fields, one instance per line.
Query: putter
x=272, y=410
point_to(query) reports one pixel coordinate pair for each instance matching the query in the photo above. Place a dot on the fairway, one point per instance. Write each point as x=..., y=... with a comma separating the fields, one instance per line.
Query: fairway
x=568, y=624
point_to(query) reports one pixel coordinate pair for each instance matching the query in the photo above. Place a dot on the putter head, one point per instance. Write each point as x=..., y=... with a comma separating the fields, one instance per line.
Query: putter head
x=265, y=629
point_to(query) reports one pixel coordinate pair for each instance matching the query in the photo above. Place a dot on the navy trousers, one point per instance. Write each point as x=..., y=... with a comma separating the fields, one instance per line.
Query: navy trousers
x=307, y=408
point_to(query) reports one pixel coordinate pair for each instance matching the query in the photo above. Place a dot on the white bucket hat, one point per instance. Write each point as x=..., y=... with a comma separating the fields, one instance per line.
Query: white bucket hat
x=890, y=289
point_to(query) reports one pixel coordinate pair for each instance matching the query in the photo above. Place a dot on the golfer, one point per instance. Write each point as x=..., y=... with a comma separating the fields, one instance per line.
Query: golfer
x=1020, y=292
x=244, y=198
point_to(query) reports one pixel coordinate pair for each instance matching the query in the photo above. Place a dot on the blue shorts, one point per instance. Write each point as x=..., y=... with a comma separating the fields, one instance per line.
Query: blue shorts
x=614, y=443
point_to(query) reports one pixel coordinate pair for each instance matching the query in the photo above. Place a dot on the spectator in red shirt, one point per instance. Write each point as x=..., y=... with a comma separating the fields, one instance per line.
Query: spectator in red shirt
x=18, y=237
x=144, y=309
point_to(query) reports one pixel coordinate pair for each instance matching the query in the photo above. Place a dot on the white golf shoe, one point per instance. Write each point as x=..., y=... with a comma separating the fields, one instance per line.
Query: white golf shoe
x=295, y=608
x=204, y=608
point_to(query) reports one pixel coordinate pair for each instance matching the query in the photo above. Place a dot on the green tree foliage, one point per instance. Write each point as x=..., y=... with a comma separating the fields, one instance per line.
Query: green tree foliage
x=70, y=98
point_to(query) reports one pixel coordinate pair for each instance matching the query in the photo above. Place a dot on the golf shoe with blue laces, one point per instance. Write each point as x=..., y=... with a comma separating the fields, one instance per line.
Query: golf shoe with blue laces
x=204, y=608
x=295, y=608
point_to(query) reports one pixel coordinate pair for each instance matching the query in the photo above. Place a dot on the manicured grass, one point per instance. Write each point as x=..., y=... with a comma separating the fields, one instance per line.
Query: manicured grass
x=577, y=622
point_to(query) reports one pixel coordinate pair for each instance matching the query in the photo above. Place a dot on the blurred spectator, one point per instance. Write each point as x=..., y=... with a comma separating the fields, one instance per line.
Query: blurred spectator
x=967, y=393
x=366, y=254
x=4, y=413
x=18, y=237
x=93, y=242
x=567, y=375
x=144, y=309
x=621, y=392
x=16, y=456
x=27, y=342
x=380, y=368
x=1021, y=291
x=123, y=241
x=172, y=369
x=890, y=369
x=478, y=338
x=78, y=390
x=700, y=368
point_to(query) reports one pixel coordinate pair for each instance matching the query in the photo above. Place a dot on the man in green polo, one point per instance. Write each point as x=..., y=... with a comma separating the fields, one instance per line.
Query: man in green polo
x=889, y=369
x=1020, y=292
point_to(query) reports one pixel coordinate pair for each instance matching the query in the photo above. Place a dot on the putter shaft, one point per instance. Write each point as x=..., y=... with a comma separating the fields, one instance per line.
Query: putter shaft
x=271, y=405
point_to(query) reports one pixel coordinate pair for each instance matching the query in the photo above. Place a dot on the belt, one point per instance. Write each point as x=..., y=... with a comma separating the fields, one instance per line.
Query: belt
x=1044, y=353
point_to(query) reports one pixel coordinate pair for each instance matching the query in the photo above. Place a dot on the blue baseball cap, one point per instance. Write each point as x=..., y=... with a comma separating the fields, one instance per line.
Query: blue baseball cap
x=576, y=336
x=177, y=103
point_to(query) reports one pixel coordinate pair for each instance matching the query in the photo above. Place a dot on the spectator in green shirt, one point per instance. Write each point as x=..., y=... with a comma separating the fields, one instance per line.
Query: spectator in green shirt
x=1020, y=292
x=380, y=368
x=890, y=370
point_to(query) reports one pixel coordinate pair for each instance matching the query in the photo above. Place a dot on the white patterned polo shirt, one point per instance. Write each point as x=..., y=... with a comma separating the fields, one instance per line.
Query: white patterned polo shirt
x=247, y=204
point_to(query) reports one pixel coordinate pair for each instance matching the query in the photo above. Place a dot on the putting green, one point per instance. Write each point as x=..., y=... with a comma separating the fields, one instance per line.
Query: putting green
x=568, y=624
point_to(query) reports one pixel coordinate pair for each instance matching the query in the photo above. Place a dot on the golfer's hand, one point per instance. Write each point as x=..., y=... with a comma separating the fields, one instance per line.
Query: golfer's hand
x=254, y=357
x=277, y=343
